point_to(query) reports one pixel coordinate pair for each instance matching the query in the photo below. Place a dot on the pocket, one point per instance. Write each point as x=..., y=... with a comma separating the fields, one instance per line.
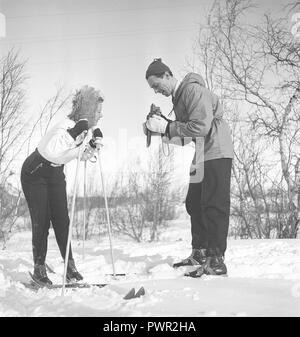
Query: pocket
x=36, y=168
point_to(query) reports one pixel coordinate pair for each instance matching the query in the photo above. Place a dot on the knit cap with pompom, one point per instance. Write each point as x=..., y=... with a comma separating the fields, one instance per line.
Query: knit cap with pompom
x=157, y=68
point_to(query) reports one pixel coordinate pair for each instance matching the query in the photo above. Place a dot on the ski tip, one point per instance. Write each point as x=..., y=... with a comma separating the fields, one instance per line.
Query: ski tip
x=140, y=292
x=130, y=294
x=31, y=285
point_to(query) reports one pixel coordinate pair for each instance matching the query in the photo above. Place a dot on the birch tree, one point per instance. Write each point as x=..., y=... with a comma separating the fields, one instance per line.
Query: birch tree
x=255, y=66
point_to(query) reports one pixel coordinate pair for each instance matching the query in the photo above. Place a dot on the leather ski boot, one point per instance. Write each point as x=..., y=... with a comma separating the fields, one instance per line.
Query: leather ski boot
x=40, y=275
x=72, y=273
x=215, y=266
x=198, y=257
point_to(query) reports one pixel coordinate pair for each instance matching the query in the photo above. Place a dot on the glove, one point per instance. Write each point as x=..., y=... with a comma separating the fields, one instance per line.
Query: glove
x=96, y=141
x=88, y=153
x=80, y=126
x=152, y=133
x=157, y=123
x=97, y=133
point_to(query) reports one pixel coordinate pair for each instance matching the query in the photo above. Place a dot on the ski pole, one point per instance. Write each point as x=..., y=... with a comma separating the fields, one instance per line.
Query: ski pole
x=84, y=209
x=107, y=215
x=81, y=149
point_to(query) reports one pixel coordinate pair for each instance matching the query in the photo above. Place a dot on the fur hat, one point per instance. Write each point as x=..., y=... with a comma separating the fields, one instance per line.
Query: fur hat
x=85, y=104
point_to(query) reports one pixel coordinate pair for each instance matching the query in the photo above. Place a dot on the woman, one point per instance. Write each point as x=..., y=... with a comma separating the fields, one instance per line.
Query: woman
x=43, y=179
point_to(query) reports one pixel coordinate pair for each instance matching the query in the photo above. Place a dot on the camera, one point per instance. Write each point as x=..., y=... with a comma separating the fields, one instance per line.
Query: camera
x=154, y=110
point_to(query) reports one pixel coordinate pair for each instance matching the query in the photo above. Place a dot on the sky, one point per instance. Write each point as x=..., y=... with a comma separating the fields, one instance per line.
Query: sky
x=108, y=45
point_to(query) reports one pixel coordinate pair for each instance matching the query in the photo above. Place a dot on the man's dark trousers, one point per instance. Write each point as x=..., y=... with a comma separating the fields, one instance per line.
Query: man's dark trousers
x=208, y=204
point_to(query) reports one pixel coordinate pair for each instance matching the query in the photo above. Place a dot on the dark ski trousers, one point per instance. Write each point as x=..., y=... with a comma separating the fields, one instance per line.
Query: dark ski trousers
x=208, y=204
x=44, y=187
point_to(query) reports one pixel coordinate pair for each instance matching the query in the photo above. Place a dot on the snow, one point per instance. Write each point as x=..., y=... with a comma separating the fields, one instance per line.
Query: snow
x=263, y=279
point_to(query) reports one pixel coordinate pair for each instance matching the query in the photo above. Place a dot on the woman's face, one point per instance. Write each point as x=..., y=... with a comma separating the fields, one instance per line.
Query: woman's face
x=97, y=116
x=98, y=113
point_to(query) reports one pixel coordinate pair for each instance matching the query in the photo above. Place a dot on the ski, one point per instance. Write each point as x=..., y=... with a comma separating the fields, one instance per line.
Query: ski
x=132, y=294
x=140, y=292
x=117, y=274
x=35, y=285
x=52, y=271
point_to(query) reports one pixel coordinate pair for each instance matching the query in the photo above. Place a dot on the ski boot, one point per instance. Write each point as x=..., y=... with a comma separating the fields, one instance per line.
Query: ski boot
x=196, y=273
x=40, y=275
x=72, y=273
x=198, y=257
x=215, y=266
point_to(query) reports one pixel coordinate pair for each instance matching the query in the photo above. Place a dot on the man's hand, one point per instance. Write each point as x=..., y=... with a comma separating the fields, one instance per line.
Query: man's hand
x=152, y=133
x=157, y=123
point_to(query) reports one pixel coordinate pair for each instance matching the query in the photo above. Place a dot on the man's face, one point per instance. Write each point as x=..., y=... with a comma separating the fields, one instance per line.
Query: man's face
x=161, y=85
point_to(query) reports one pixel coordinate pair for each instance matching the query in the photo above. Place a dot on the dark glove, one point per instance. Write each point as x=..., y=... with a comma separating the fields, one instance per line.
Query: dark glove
x=80, y=126
x=96, y=141
x=97, y=133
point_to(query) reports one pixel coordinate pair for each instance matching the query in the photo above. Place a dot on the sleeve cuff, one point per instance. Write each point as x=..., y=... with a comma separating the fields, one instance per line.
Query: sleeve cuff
x=167, y=133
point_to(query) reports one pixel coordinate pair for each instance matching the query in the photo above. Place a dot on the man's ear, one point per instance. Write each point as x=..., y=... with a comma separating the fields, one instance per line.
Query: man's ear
x=167, y=75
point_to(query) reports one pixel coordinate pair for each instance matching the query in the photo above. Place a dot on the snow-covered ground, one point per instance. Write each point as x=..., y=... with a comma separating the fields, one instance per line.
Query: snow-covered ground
x=264, y=279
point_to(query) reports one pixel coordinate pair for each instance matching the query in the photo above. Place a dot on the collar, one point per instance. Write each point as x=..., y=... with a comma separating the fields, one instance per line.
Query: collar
x=176, y=87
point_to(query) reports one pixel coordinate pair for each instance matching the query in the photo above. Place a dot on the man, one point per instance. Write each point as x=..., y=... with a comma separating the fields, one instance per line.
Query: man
x=199, y=118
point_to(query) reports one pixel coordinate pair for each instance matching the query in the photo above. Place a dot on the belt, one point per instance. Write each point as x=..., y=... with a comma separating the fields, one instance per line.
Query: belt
x=45, y=161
